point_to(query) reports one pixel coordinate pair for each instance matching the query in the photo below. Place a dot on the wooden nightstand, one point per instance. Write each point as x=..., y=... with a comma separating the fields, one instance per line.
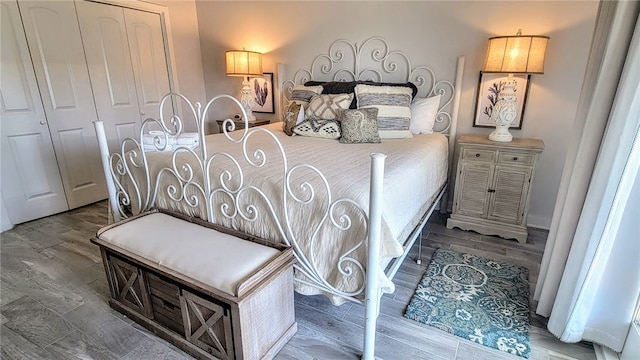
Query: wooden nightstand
x=240, y=124
x=493, y=183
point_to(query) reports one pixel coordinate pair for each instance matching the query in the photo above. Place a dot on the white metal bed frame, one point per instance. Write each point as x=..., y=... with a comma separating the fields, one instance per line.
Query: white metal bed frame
x=130, y=195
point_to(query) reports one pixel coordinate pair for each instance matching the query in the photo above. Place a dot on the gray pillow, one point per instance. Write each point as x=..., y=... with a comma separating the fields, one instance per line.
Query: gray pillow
x=359, y=126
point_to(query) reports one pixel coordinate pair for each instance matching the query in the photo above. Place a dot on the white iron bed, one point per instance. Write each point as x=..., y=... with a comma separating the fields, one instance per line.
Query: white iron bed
x=296, y=190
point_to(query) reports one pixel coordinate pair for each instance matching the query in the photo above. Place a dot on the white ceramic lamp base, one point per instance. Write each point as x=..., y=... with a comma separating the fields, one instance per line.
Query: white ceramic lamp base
x=501, y=134
x=504, y=112
x=247, y=100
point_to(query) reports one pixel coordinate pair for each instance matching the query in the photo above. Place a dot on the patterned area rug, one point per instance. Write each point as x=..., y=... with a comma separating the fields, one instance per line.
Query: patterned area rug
x=475, y=298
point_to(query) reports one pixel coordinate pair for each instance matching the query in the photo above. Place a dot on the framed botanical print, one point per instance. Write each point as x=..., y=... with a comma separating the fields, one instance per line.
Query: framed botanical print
x=262, y=92
x=489, y=87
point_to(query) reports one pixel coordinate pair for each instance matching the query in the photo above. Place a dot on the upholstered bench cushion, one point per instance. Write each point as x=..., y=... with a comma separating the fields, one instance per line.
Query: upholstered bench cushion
x=214, y=258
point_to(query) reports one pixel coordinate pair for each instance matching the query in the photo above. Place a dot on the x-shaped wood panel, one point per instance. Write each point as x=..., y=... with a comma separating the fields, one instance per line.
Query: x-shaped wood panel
x=128, y=285
x=193, y=308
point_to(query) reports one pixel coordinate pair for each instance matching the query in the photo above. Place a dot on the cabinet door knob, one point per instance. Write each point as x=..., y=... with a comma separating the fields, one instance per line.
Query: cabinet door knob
x=477, y=155
x=491, y=190
x=515, y=158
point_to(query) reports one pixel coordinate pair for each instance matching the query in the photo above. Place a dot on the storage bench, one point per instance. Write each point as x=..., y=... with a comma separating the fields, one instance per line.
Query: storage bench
x=211, y=291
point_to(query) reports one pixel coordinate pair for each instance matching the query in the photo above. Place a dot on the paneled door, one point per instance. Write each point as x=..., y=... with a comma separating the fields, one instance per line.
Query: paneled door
x=31, y=183
x=104, y=35
x=149, y=59
x=58, y=57
x=126, y=56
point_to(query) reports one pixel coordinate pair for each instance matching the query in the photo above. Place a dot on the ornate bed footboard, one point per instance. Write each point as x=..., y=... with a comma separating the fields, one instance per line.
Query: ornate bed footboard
x=212, y=182
x=224, y=184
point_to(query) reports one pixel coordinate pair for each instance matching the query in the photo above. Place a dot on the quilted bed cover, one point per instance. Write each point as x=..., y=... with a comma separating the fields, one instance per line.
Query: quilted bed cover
x=415, y=172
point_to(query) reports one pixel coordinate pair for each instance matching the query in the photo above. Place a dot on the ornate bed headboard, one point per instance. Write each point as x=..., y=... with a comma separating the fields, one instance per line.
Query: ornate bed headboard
x=374, y=60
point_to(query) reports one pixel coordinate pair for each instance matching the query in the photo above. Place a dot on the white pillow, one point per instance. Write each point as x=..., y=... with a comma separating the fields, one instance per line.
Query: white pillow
x=301, y=116
x=423, y=114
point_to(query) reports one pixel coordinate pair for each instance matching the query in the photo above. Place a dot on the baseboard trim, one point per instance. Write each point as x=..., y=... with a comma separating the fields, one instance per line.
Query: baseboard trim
x=538, y=222
x=604, y=353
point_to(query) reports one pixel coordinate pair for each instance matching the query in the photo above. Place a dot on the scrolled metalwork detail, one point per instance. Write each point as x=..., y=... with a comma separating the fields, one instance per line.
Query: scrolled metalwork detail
x=219, y=188
x=374, y=60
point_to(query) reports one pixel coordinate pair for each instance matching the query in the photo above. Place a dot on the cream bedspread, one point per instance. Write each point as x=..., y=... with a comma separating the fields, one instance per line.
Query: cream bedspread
x=415, y=171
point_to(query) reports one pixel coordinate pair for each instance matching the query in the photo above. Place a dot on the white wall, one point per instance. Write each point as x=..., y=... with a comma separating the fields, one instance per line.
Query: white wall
x=432, y=33
x=186, y=49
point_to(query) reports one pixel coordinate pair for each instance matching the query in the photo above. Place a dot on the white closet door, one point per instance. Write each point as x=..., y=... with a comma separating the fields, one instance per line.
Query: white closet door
x=104, y=36
x=149, y=59
x=56, y=49
x=31, y=183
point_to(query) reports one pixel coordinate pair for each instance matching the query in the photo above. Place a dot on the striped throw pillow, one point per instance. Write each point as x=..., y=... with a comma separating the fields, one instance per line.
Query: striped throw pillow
x=302, y=94
x=394, y=108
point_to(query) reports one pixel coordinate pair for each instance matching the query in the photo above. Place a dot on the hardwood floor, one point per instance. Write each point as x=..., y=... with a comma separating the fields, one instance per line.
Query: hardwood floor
x=54, y=293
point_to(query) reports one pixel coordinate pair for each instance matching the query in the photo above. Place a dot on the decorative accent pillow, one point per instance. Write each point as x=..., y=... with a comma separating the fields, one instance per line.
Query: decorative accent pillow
x=328, y=107
x=347, y=87
x=302, y=94
x=423, y=114
x=359, y=126
x=394, y=108
x=326, y=129
x=293, y=115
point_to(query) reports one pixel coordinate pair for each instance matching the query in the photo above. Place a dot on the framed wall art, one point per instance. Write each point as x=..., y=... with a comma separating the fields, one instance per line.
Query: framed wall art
x=262, y=92
x=489, y=87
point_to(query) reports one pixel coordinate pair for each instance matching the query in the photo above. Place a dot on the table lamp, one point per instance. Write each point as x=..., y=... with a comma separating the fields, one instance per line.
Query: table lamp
x=518, y=54
x=246, y=64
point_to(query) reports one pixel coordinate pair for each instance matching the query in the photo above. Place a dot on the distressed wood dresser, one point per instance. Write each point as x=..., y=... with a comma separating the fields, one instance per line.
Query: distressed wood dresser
x=493, y=185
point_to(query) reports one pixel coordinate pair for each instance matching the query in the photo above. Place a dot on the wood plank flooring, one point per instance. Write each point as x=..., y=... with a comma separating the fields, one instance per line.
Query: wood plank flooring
x=54, y=293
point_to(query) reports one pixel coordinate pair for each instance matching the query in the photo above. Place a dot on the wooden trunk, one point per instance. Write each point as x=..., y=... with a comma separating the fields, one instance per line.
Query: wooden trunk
x=203, y=321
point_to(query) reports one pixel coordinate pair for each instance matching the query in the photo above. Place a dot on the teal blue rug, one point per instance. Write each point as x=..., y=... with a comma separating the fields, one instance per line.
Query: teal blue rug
x=475, y=298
